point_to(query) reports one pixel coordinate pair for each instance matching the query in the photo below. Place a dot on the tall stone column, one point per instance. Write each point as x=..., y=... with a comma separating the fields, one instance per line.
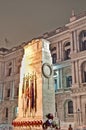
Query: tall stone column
x=60, y=49
x=58, y=54
x=83, y=112
x=80, y=74
x=75, y=41
x=77, y=72
x=12, y=90
x=60, y=78
x=4, y=85
x=36, y=88
x=78, y=47
x=72, y=41
x=73, y=73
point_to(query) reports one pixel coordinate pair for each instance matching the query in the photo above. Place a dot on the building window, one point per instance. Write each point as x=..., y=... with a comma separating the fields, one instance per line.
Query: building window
x=70, y=107
x=69, y=81
x=9, y=71
x=82, y=40
x=54, y=58
x=6, y=112
x=15, y=112
x=83, y=68
x=84, y=76
x=67, y=54
x=8, y=93
x=55, y=84
x=67, y=51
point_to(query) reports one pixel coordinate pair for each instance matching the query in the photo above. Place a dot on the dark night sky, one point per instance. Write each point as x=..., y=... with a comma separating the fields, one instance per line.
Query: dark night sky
x=22, y=20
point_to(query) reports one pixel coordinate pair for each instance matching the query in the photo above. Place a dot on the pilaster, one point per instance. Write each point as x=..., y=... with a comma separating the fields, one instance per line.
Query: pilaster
x=75, y=42
x=72, y=41
x=73, y=73
x=58, y=54
x=77, y=72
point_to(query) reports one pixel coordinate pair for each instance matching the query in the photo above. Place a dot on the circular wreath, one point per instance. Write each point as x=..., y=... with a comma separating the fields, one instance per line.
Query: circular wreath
x=46, y=75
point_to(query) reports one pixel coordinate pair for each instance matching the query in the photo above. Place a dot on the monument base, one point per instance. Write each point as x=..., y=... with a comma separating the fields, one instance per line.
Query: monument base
x=27, y=124
x=28, y=128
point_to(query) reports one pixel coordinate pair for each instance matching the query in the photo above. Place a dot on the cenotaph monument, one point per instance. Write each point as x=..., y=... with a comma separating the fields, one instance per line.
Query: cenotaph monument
x=36, y=88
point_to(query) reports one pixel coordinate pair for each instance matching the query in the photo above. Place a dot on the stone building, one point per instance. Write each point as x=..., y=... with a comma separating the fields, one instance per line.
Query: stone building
x=10, y=62
x=68, y=50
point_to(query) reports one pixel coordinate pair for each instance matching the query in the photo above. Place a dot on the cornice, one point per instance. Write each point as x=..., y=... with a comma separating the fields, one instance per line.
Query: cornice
x=77, y=23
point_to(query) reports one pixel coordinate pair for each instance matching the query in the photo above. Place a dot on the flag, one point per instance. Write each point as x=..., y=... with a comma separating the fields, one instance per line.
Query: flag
x=32, y=96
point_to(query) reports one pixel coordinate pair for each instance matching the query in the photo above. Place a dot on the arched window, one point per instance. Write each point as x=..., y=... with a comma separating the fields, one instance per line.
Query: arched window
x=83, y=68
x=67, y=51
x=82, y=40
x=53, y=49
x=70, y=107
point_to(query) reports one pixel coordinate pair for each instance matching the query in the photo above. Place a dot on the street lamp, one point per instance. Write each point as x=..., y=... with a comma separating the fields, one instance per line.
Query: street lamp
x=59, y=123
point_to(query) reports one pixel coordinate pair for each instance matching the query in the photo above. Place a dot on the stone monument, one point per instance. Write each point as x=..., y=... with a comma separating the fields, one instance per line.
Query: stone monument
x=36, y=88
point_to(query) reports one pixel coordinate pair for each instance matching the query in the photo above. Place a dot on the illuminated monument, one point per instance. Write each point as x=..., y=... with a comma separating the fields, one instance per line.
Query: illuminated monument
x=36, y=89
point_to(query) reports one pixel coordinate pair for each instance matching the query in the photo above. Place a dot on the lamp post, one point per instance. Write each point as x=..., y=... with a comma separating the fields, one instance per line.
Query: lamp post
x=59, y=123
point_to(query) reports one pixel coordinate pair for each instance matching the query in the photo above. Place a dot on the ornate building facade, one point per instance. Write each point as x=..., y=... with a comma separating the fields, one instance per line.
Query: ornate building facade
x=68, y=50
x=10, y=62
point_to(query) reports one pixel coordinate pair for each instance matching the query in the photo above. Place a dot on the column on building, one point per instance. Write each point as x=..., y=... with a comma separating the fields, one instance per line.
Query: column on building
x=1, y=91
x=62, y=50
x=80, y=74
x=75, y=41
x=73, y=73
x=77, y=72
x=83, y=111
x=12, y=89
x=75, y=109
x=72, y=41
x=4, y=88
x=60, y=78
x=78, y=49
x=58, y=49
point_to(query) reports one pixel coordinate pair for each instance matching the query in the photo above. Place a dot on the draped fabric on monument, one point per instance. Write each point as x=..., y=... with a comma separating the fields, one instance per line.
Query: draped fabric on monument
x=29, y=93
